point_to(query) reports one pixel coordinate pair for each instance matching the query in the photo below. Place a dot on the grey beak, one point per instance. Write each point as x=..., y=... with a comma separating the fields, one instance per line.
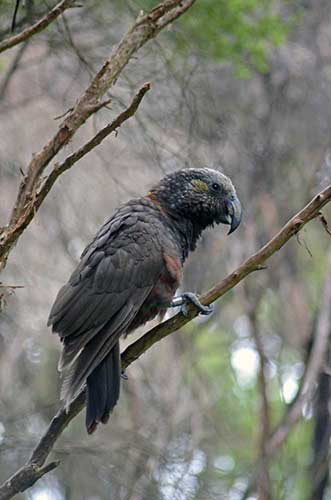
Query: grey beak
x=233, y=206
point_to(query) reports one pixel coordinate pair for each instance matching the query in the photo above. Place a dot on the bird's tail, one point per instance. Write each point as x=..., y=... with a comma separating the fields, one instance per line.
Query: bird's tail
x=103, y=389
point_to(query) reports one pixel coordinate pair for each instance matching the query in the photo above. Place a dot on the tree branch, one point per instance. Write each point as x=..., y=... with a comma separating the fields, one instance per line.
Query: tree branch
x=40, y=25
x=31, y=471
x=59, y=168
x=91, y=144
x=144, y=29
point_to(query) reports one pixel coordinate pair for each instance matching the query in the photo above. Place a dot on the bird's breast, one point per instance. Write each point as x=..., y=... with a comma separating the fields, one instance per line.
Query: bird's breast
x=162, y=292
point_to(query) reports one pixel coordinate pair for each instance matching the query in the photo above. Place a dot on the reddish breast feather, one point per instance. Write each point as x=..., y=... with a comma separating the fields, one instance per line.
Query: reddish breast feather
x=162, y=293
x=174, y=268
x=169, y=281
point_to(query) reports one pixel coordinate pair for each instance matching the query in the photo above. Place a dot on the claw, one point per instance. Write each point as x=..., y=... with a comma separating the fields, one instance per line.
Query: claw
x=190, y=298
x=207, y=310
x=193, y=299
x=184, y=310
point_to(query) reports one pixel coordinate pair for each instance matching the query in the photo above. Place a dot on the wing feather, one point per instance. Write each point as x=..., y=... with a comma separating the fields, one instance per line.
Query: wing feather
x=96, y=349
x=116, y=273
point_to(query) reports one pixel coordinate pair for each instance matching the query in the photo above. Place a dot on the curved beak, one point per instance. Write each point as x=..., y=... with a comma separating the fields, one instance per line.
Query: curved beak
x=234, y=213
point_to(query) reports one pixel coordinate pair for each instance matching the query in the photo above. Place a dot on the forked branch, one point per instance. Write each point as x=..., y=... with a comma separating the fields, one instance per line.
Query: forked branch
x=42, y=190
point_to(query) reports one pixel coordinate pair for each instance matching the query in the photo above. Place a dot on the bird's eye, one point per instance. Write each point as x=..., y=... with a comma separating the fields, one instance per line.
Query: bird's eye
x=215, y=186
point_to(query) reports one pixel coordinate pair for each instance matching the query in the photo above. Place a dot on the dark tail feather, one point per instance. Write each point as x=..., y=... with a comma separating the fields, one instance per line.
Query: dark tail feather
x=103, y=389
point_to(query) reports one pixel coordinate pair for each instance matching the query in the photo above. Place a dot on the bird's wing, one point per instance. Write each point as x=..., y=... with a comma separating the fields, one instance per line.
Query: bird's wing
x=116, y=273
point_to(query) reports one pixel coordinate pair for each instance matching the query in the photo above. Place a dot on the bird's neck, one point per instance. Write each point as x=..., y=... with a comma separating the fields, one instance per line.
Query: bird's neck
x=187, y=231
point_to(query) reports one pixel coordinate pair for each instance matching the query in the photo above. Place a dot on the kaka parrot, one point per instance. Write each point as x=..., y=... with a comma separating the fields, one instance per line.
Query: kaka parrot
x=129, y=274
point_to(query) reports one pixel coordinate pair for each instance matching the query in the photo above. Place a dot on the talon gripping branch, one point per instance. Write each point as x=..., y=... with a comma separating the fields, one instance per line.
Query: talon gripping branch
x=129, y=274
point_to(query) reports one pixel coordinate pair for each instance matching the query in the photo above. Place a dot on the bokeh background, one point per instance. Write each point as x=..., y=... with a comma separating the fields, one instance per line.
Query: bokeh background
x=244, y=87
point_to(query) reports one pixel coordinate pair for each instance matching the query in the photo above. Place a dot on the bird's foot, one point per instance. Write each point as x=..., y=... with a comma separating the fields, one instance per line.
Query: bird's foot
x=124, y=375
x=190, y=298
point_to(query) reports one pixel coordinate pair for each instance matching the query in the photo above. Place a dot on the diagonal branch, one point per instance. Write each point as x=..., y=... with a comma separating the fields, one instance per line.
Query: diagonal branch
x=91, y=144
x=42, y=191
x=34, y=468
x=40, y=25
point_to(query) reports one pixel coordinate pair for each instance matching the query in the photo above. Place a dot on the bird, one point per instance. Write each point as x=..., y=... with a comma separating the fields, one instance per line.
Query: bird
x=129, y=274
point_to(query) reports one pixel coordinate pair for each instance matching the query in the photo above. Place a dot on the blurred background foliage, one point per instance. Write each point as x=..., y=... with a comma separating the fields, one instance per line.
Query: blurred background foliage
x=189, y=423
x=237, y=32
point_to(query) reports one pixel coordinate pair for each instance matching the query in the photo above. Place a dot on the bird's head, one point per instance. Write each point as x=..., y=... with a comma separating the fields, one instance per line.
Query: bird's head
x=202, y=195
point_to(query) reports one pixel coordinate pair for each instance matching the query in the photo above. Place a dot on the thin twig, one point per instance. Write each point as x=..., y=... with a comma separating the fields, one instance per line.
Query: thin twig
x=38, y=196
x=33, y=469
x=91, y=144
x=324, y=223
x=40, y=25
